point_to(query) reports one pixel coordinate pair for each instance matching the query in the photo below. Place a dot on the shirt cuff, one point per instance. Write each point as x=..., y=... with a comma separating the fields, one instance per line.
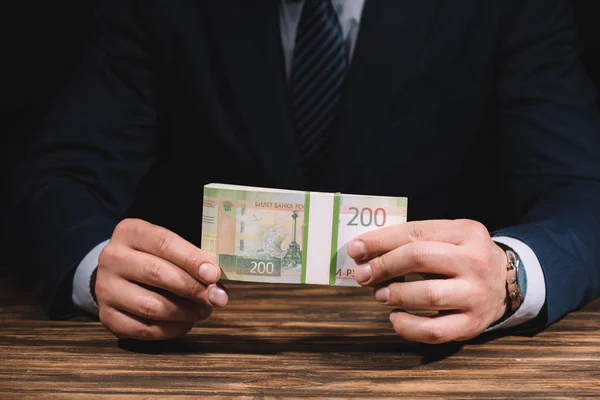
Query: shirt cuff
x=536, y=286
x=82, y=297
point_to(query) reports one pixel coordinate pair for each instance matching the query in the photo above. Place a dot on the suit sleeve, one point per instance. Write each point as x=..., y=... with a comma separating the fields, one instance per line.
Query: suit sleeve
x=550, y=133
x=96, y=145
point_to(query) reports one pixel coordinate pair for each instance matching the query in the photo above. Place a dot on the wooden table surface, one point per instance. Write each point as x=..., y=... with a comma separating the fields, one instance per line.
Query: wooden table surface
x=277, y=341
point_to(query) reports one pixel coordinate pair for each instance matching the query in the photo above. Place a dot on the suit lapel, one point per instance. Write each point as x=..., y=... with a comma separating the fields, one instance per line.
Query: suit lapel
x=250, y=47
x=391, y=36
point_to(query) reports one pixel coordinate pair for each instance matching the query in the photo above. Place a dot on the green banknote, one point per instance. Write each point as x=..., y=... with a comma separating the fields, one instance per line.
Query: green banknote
x=287, y=236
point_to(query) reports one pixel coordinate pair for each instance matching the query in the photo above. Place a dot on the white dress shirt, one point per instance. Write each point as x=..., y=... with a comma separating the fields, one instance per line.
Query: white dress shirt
x=349, y=13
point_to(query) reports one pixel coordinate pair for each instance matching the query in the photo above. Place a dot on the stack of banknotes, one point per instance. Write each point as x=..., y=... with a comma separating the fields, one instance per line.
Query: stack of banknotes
x=287, y=236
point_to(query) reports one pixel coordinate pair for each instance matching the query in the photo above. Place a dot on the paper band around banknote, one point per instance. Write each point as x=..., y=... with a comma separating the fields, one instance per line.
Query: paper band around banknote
x=286, y=236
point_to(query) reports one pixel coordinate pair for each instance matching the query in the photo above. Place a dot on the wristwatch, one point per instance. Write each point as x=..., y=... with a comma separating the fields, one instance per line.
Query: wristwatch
x=93, y=285
x=514, y=291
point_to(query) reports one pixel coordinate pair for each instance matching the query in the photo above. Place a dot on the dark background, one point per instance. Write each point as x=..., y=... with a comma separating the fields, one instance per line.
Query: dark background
x=41, y=43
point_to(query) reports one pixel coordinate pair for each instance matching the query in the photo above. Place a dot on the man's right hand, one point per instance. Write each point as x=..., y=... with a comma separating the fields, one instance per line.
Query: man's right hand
x=152, y=284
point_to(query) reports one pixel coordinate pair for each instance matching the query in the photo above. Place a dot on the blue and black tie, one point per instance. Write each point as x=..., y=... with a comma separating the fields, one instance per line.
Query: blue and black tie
x=318, y=69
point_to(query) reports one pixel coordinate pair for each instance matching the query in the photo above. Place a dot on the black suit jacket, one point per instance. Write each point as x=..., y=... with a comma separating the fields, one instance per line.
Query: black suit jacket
x=471, y=109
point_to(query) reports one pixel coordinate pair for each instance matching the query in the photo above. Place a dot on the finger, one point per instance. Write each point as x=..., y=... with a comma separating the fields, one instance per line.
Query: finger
x=380, y=241
x=424, y=257
x=438, y=294
x=127, y=326
x=154, y=271
x=150, y=305
x=435, y=329
x=163, y=243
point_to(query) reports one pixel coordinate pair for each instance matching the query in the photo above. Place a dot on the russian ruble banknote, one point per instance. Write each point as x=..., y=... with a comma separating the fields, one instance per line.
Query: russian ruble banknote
x=287, y=236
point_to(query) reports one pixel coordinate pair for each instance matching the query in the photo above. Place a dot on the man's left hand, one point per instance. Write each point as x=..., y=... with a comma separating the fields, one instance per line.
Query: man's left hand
x=471, y=295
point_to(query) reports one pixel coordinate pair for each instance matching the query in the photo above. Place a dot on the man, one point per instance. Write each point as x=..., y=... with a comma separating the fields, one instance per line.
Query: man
x=437, y=101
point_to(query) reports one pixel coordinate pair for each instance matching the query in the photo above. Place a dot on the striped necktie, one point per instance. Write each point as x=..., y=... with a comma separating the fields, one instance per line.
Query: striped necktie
x=318, y=68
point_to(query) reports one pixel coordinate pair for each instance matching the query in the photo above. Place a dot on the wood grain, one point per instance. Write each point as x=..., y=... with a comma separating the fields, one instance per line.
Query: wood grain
x=278, y=341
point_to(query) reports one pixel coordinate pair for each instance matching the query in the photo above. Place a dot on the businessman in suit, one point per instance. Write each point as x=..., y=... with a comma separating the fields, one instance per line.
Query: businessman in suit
x=438, y=101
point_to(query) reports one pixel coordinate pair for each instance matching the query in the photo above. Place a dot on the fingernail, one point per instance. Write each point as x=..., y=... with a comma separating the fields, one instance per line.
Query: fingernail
x=218, y=297
x=362, y=273
x=208, y=273
x=357, y=250
x=393, y=316
x=382, y=294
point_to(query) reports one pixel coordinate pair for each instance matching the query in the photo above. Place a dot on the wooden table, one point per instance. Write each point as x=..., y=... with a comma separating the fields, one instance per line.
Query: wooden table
x=277, y=341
